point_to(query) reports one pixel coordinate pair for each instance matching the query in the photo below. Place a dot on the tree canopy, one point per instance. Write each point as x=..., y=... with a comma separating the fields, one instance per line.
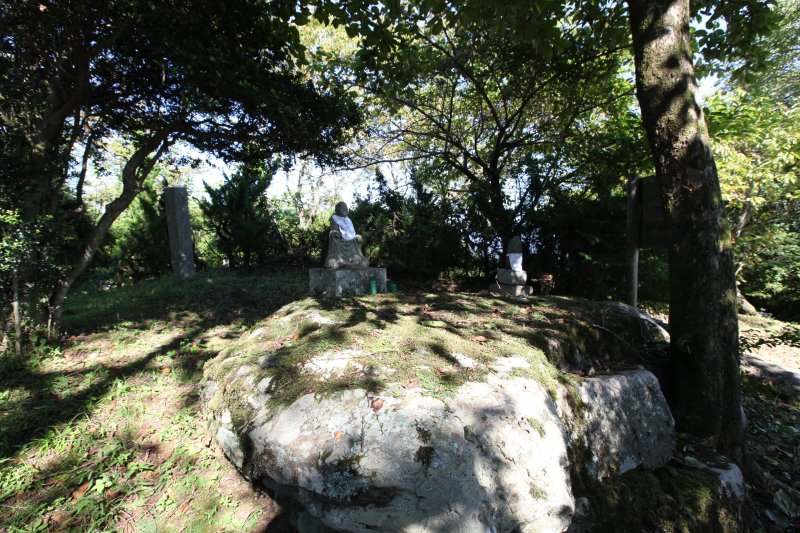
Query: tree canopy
x=224, y=78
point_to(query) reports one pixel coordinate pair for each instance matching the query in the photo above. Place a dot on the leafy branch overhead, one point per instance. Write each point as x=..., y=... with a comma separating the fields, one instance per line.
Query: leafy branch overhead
x=224, y=78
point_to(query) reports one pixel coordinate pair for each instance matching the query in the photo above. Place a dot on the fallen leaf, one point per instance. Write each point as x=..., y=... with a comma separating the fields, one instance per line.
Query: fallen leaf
x=786, y=503
x=164, y=453
x=185, y=506
x=296, y=336
x=338, y=436
x=413, y=384
x=110, y=494
x=149, y=477
x=58, y=518
x=80, y=491
x=376, y=404
x=777, y=517
x=479, y=338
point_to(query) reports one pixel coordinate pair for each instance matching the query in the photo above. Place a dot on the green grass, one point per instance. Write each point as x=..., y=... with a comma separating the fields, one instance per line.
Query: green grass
x=104, y=433
x=209, y=297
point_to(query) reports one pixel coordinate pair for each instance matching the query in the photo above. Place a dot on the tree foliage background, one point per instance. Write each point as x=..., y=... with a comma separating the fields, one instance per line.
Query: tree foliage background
x=531, y=132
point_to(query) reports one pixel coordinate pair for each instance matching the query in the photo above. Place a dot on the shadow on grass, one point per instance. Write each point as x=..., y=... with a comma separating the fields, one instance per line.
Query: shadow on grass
x=44, y=410
x=210, y=299
x=214, y=297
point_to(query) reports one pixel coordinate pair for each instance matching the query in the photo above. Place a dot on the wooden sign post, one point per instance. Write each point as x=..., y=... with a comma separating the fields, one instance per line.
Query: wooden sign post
x=646, y=227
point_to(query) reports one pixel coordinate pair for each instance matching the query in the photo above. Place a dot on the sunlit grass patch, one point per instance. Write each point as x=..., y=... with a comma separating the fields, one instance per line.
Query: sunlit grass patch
x=105, y=433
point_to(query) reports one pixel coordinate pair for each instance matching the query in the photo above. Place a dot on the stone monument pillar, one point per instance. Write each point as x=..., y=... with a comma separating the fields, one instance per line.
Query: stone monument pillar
x=347, y=271
x=181, y=251
x=512, y=280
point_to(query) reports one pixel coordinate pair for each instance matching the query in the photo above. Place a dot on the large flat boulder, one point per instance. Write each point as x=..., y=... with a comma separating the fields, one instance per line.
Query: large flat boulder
x=492, y=457
x=416, y=414
x=621, y=422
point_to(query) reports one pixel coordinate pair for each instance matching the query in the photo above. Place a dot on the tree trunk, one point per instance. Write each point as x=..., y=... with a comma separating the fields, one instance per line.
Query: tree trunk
x=15, y=315
x=704, y=386
x=133, y=175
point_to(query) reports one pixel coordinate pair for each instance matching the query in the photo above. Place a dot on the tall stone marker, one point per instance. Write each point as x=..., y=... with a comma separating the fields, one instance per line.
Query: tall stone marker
x=181, y=250
x=646, y=226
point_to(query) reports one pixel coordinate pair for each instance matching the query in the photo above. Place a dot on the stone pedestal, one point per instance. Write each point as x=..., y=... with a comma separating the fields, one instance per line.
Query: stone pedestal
x=511, y=282
x=506, y=276
x=513, y=290
x=345, y=281
x=181, y=251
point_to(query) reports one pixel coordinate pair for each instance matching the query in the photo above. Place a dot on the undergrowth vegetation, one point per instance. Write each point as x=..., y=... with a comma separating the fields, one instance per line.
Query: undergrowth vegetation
x=104, y=432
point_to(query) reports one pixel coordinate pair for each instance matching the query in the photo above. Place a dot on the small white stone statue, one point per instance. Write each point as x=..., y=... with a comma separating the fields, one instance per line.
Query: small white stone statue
x=344, y=244
x=515, y=275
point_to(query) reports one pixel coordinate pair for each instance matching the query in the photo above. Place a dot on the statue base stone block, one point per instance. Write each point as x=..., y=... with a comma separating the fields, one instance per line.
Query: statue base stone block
x=345, y=281
x=512, y=290
x=507, y=276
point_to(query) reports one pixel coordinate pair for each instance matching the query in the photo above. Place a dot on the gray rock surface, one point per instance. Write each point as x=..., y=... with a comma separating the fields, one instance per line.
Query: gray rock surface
x=621, y=422
x=506, y=276
x=345, y=281
x=491, y=458
x=497, y=453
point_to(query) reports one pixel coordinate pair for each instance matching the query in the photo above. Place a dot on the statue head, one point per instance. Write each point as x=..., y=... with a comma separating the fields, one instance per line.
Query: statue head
x=341, y=209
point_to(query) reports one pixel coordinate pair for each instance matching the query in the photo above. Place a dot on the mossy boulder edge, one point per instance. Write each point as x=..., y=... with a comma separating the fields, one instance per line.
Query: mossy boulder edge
x=373, y=419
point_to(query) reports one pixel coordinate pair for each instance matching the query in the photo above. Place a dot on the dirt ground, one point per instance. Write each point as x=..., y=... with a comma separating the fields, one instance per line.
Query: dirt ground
x=771, y=401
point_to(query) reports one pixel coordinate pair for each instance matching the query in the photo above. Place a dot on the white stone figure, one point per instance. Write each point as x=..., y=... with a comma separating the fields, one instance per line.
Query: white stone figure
x=514, y=254
x=344, y=244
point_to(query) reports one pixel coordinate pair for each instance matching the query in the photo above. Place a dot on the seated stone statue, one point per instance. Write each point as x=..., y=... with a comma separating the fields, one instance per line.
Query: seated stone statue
x=344, y=245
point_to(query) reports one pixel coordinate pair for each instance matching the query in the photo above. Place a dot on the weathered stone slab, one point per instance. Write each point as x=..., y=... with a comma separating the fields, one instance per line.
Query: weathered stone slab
x=622, y=422
x=513, y=290
x=180, y=232
x=345, y=281
x=491, y=458
x=506, y=276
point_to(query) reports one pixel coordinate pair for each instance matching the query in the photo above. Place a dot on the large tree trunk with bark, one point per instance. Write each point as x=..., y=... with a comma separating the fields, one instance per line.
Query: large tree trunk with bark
x=704, y=385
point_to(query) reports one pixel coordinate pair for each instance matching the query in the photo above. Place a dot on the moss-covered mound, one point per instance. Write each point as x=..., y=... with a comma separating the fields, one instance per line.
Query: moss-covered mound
x=376, y=355
x=438, y=340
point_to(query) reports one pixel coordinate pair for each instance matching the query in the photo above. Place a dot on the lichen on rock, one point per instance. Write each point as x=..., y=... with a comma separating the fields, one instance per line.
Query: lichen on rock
x=374, y=421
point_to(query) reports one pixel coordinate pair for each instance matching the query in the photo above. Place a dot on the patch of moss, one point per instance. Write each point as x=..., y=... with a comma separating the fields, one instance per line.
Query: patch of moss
x=469, y=434
x=538, y=493
x=342, y=480
x=536, y=425
x=671, y=498
x=385, y=336
x=425, y=455
x=424, y=434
